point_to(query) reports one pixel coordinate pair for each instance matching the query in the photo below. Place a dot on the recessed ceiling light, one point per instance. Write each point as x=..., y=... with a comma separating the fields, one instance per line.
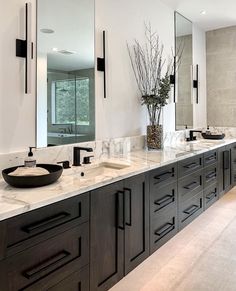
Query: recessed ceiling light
x=203, y=12
x=47, y=30
x=55, y=49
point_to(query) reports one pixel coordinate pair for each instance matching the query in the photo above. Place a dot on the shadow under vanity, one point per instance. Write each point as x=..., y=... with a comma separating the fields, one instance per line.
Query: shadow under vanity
x=92, y=240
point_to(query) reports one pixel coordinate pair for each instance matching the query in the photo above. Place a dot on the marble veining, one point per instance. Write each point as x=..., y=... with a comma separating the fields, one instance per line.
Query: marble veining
x=15, y=201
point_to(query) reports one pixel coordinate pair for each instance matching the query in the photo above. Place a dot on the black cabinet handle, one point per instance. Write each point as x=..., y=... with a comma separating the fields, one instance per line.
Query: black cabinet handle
x=192, y=209
x=191, y=166
x=166, y=200
x=191, y=185
x=121, y=210
x=165, y=229
x=226, y=159
x=128, y=206
x=46, y=265
x=165, y=175
x=211, y=175
x=210, y=158
x=211, y=195
x=46, y=223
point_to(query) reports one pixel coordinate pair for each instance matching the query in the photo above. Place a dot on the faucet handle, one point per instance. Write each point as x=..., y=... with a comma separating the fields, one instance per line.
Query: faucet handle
x=65, y=164
x=86, y=160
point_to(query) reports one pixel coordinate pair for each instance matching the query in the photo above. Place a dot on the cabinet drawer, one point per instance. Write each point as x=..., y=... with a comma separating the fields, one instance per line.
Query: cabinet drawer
x=190, y=209
x=78, y=281
x=38, y=224
x=163, y=176
x=210, y=157
x=163, y=227
x=211, y=195
x=210, y=175
x=35, y=263
x=163, y=198
x=190, y=186
x=190, y=165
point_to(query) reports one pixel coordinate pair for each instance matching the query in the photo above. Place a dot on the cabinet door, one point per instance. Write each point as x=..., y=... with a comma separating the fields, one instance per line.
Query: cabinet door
x=107, y=236
x=136, y=221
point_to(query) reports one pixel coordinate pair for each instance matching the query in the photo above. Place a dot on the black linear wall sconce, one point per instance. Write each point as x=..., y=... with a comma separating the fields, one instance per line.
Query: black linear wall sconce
x=173, y=79
x=24, y=48
x=101, y=62
x=196, y=84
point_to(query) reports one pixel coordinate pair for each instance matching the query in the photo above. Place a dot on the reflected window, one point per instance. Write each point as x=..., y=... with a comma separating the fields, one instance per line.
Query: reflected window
x=70, y=101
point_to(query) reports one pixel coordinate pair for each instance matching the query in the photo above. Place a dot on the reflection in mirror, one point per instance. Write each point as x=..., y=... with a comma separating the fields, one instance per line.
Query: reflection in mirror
x=184, y=59
x=65, y=72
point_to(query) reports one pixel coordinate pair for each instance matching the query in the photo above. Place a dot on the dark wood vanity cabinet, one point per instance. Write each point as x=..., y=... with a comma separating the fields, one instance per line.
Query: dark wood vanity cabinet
x=90, y=241
x=190, y=189
x=119, y=230
x=43, y=247
x=163, y=205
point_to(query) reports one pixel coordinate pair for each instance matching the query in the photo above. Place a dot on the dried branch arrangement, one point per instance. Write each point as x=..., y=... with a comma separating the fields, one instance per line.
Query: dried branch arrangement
x=148, y=65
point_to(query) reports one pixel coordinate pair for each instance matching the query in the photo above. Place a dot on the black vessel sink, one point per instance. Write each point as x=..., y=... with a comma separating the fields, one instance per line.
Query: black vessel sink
x=55, y=172
x=213, y=136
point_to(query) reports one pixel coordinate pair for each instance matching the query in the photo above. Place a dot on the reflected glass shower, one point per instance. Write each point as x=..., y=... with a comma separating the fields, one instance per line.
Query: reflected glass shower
x=70, y=108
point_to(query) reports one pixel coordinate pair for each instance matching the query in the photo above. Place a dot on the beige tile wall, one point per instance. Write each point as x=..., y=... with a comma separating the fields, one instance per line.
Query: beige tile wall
x=221, y=77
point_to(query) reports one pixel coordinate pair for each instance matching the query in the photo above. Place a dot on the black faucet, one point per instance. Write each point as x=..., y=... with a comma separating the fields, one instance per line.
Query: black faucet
x=191, y=137
x=76, y=154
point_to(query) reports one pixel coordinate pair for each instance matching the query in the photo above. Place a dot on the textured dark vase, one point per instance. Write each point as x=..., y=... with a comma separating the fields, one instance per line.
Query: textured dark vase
x=154, y=137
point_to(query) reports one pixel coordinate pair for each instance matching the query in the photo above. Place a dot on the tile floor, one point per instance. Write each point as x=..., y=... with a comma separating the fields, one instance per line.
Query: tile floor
x=202, y=257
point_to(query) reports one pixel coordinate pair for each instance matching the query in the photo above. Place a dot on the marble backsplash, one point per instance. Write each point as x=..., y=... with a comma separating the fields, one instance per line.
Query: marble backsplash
x=102, y=149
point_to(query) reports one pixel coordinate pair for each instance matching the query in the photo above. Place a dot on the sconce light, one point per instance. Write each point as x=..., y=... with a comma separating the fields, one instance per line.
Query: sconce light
x=172, y=79
x=196, y=83
x=24, y=48
x=101, y=62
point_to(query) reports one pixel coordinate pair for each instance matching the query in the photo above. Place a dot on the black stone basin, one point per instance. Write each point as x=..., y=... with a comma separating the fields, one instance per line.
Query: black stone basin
x=213, y=136
x=55, y=172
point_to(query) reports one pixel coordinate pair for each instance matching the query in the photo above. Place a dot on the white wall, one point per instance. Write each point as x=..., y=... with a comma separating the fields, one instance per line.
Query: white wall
x=17, y=110
x=199, y=57
x=117, y=116
x=121, y=113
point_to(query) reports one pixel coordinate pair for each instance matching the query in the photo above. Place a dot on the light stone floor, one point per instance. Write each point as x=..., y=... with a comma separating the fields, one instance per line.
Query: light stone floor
x=202, y=257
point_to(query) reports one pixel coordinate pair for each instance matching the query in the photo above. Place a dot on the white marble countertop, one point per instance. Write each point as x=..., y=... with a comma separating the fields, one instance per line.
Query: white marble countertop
x=14, y=201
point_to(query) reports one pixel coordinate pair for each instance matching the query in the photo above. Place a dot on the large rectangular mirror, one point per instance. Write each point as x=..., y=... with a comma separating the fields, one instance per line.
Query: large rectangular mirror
x=65, y=72
x=184, y=62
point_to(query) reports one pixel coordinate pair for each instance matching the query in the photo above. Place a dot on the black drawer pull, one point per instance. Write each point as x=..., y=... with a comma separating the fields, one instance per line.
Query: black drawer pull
x=211, y=195
x=121, y=210
x=211, y=158
x=192, y=209
x=191, y=185
x=46, y=223
x=191, y=166
x=164, y=201
x=226, y=159
x=128, y=206
x=165, y=229
x=211, y=175
x=165, y=175
x=49, y=264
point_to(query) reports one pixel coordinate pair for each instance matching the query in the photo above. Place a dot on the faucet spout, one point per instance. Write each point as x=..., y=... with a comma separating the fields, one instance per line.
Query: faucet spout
x=191, y=136
x=76, y=154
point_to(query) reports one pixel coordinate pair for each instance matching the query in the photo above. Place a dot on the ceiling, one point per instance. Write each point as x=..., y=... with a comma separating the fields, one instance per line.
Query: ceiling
x=73, y=24
x=219, y=13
